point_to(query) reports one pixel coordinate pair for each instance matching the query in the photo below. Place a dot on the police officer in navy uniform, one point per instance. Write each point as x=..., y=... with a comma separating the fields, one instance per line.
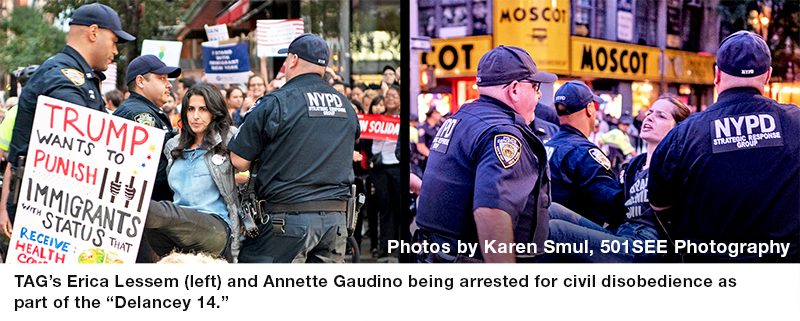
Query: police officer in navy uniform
x=581, y=175
x=731, y=174
x=74, y=75
x=543, y=129
x=487, y=178
x=303, y=136
x=147, y=82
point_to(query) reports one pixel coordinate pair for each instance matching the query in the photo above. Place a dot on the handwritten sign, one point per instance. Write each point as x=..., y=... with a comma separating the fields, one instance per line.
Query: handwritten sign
x=217, y=33
x=379, y=126
x=274, y=35
x=86, y=188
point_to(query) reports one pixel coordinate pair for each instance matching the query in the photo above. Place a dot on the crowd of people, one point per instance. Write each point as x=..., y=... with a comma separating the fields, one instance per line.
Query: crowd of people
x=221, y=140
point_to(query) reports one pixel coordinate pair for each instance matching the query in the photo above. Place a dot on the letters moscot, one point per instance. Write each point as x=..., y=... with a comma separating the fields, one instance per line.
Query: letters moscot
x=606, y=59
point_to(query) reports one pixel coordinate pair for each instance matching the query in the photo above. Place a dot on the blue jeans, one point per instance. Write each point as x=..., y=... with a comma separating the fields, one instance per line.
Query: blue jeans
x=569, y=227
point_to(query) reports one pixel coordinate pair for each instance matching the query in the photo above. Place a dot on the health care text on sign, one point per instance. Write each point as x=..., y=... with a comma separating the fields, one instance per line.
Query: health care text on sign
x=379, y=126
x=86, y=189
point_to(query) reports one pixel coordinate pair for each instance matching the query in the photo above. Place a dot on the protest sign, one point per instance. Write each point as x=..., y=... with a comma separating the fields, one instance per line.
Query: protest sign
x=379, y=126
x=86, y=188
x=111, y=79
x=274, y=35
x=226, y=64
x=168, y=51
x=217, y=33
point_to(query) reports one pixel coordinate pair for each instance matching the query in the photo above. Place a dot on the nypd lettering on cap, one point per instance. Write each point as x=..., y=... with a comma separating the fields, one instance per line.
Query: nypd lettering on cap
x=442, y=140
x=507, y=148
x=742, y=132
x=325, y=105
x=561, y=98
x=600, y=158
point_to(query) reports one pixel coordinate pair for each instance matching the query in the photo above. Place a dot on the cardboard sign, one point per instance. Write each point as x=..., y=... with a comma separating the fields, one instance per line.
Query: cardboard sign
x=226, y=64
x=379, y=126
x=168, y=51
x=86, y=188
x=274, y=35
x=217, y=33
x=111, y=79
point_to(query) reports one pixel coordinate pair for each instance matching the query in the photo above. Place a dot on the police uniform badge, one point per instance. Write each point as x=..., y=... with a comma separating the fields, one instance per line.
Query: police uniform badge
x=73, y=75
x=508, y=149
x=600, y=158
x=145, y=119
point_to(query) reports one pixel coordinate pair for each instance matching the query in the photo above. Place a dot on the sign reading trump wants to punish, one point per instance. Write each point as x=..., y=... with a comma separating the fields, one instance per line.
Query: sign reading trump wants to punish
x=86, y=188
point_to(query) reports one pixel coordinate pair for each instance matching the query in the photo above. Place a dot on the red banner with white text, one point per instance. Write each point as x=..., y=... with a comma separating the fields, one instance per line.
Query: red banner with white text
x=379, y=126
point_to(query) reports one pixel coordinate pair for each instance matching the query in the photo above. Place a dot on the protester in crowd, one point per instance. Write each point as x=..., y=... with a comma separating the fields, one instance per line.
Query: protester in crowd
x=639, y=224
x=581, y=173
x=202, y=217
x=487, y=180
x=377, y=106
x=234, y=99
x=357, y=105
x=181, y=86
x=369, y=94
x=727, y=186
x=357, y=94
x=170, y=109
x=113, y=100
x=255, y=90
x=385, y=175
x=306, y=156
x=73, y=75
x=340, y=87
x=618, y=137
x=389, y=79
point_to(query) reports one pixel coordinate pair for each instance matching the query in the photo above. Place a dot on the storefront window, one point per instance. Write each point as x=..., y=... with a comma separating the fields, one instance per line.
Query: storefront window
x=643, y=95
x=455, y=18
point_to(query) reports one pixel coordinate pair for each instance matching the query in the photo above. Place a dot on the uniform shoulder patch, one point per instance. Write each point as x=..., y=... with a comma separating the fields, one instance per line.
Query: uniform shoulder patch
x=600, y=157
x=507, y=148
x=73, y=75
x=145, y=119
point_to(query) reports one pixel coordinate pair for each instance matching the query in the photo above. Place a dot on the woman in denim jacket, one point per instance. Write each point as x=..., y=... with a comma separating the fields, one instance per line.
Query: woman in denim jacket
x=203, y=214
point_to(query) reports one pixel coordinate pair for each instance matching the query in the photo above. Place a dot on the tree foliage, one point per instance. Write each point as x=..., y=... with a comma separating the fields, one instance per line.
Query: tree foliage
x=783, y=31
x=140, y=18
x=28, y=39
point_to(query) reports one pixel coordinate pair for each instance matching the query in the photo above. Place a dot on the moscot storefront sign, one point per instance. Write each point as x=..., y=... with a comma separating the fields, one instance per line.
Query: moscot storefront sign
x=606, y=59
x=539, y=26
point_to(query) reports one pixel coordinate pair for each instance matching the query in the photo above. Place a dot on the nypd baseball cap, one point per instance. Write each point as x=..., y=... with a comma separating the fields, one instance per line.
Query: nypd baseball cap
x=149, y=64
x=574, y=96
x=309, y=47
x=503, y=65
x=102, y=16
x=744, y=54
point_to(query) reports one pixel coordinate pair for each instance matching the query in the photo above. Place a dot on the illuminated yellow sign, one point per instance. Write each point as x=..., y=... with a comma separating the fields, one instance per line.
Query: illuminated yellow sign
x=539, y=26
x=689, y=67
x=456, y=57
x=606, y=59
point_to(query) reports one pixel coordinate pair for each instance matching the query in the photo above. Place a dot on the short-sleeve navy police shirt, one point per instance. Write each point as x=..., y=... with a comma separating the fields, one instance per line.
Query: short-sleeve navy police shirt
x=303, y=134
x=481, y=158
